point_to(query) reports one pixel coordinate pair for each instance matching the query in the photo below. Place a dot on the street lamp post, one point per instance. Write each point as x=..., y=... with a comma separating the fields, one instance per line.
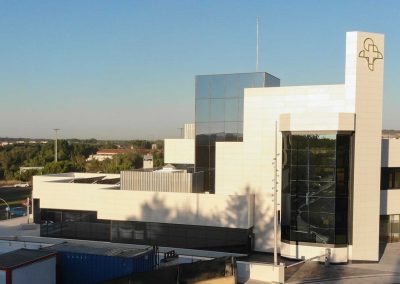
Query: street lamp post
x=7, y=208
x=28, y=207
x=275, y=195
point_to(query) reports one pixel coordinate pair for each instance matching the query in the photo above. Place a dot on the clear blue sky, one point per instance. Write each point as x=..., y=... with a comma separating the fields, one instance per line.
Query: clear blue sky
x=125, y=69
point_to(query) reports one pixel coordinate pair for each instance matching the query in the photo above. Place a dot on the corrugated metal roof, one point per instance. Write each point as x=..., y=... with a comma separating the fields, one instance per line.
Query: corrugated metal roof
x=21, y=257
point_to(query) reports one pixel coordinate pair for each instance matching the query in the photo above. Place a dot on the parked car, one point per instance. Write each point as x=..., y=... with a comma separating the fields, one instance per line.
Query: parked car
x=22, y=184
x=18, y=211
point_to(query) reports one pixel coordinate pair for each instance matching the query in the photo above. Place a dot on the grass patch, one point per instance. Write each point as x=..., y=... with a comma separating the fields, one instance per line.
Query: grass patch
x=8, y=182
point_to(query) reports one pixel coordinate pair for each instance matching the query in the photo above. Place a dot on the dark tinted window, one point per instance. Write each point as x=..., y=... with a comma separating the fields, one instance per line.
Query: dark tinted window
x=315, y=176
x=390, y=178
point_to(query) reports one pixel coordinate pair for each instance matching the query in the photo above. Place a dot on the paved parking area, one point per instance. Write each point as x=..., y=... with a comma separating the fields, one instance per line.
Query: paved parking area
x=15, y=227
x=387, y=270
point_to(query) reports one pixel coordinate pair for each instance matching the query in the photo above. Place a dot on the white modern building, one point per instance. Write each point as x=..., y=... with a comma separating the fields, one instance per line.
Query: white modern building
x=328, y=153
x=324, y=143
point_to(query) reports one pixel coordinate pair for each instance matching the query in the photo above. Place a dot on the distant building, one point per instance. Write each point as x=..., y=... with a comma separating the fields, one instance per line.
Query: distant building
x=105, y=154
x=24, y=169
x=148, y=161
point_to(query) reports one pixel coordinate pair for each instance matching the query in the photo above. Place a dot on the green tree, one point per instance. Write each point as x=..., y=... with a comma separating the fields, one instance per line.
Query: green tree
x=61, y=167
x=158, y=159
x=26, y=175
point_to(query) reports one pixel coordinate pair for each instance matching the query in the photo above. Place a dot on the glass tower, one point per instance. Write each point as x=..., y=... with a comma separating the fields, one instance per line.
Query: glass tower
x=315, y=188
x=219, y=114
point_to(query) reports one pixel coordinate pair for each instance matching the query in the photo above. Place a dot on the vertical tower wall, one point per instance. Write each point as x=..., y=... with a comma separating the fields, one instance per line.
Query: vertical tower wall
x=364, y=83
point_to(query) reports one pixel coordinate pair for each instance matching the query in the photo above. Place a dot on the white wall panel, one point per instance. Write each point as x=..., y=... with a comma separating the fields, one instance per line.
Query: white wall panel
x=179, y=151
x=40, y=272
x=391, y=153
x=366, y=86
x=390, y=202
x=162, y=207
x=229, y=165
x=263, y=106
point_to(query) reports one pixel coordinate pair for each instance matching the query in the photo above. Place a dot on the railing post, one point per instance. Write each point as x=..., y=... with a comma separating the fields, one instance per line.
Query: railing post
x=327, y=256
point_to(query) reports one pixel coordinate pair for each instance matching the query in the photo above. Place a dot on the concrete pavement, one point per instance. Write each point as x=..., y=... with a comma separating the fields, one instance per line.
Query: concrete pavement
x=15, y=227
x=387, y=270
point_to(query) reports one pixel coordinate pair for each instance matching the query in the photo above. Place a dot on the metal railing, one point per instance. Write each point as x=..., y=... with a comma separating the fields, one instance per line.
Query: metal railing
x=327, y=256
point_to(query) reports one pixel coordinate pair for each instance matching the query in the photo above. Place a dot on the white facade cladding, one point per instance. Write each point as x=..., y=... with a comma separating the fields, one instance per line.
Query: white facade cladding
x=390, y=195
x=391, y=153
x=305, y=122
x=158, y=207
x=355, y=107
x=364, y=83
x=181, y=151
x=263, y=106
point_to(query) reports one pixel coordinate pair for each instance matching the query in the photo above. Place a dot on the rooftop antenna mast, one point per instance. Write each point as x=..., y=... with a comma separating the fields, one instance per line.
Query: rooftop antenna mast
x=257, y=46
x=55, y=144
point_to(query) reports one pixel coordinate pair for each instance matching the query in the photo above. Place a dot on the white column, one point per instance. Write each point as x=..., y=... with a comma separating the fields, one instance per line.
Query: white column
x=364, y=84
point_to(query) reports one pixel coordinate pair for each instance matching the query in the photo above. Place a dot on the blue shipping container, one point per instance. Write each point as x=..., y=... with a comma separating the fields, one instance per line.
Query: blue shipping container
x=76, y=268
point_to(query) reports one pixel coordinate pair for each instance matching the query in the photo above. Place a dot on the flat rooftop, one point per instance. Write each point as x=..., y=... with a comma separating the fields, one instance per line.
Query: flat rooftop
x=22, y=256
x=91, y=180
x=107, y=249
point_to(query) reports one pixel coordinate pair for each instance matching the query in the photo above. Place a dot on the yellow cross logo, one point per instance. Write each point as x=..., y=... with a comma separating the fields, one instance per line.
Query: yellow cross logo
x=370, y=53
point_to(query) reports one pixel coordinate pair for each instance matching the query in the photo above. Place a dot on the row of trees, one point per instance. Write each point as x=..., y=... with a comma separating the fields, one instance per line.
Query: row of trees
x=72, y=157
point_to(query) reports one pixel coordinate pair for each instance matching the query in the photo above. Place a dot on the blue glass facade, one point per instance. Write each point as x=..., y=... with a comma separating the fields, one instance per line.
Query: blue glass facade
x=219, y=114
